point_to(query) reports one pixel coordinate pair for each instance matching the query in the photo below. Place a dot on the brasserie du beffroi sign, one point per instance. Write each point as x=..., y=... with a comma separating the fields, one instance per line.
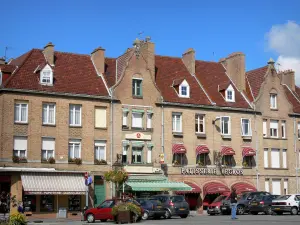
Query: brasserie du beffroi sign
x=211, y=171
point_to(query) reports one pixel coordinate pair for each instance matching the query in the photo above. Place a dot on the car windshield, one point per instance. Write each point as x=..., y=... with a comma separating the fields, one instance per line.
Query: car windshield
x=283, y=197
x=219, y=198
x=177, y=198
x=106, y=204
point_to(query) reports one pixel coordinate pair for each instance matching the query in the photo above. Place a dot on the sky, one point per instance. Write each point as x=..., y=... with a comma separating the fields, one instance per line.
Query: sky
x=261, y=29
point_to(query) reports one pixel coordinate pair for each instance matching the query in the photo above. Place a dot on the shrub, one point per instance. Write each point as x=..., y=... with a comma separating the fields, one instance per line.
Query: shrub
x=17, y=219
x=78, y=161
x=126, y=206
x=116, y=176
x=51, y=160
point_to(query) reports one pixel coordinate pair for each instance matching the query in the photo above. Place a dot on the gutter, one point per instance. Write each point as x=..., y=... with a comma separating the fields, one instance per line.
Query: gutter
x=297, y=155
x=24, y=169
x=162, y=130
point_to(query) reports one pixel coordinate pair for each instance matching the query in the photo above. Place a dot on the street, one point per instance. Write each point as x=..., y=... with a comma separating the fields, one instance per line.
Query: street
x=206, y=220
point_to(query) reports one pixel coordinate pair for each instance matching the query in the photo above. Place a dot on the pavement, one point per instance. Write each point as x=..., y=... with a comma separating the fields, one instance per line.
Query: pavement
x=286, y=219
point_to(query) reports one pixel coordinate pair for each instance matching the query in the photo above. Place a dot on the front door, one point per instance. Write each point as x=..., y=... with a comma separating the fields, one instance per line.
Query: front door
x=99, y=186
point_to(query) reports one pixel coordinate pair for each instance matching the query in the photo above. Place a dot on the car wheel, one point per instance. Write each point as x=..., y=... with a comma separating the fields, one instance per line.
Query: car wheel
x=268, y=211
x=240, y=210
x=90, y=218
x=254, y=213
x=103, y=220
x=168, y=214
x=184, y=216
x=294, y=211
x=145, y=215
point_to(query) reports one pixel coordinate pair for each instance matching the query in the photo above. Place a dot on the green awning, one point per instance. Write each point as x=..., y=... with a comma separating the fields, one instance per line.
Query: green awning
x=157, y=186
x=125, y=110
x=138, y=110
x=138, y=143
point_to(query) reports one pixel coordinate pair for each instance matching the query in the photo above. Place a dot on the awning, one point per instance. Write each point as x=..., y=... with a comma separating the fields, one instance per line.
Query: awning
x=137, y=143
x=178, y=148
x=202, y=149
x=248, y=151
x=138, y=110
x=53, y=183
x=214, y=188
x=243, y=187
x=195, y=188
x=227, y=151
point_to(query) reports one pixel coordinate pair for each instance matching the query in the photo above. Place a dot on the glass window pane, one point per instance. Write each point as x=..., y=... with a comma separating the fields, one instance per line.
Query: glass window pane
x=45, y=113
x=71, y=115
x=17, y=112
x=77, y=116
x=51, y=114
x=76, y=151
x=71, y=151
x=22, y=153
x=23, y=112
x=102, y=152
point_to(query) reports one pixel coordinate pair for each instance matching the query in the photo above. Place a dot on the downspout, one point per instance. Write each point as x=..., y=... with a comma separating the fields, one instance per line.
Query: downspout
x=257, y=150
x=111, y=137
x=162, y=129
x=297, y=155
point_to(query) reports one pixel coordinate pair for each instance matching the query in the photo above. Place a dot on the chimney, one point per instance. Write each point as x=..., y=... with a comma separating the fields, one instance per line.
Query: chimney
x=288, y=77
x=49, y=53
x=98, y=59
x=189, y=60
x=148, y=52
x=2, y=61
x=235, y=68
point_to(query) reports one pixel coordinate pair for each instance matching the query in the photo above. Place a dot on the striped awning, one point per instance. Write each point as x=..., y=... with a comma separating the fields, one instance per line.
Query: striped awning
x=248, y=151
x=195, y=189
x=227, y=151
x=178, y=148
x=243, y=187
x=53, y=183
x=202, y=149
x=215, y=188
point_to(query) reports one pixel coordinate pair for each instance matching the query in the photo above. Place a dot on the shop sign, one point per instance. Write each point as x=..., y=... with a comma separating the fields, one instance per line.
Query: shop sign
x=138, y=136
x=211, y=171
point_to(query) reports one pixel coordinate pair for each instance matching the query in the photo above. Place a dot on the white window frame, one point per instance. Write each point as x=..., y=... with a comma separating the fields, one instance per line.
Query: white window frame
x=176, y=129
x=140, y=113
x=273, y=97
x=99, y=144
x=286, y=186
x=135, y=86
x=46, y=122
x=141, y=149
x=125, y=118
x=18, y=150
x=283, y=129
x=198, y=122
x=125, y=152
x=149, y=154
x=266, y=158
x=73, y=114
x=298, y=130
x=223, y=125
x=265, y=129
x=185, y=84
x=48, y=150
x=18, y=118
x=272, y=130
x=46, y=69
x=284, y=158
x=73, y=142
x=249, y=127
x=149, y=120
x=230, y=89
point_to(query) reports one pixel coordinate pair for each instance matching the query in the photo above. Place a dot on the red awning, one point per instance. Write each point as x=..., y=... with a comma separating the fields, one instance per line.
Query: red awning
x=248, y=151
x=178, y=148
x=243, y=187
x=227, y=151
x=195, y=189
x=215, y=187
x=202, y=149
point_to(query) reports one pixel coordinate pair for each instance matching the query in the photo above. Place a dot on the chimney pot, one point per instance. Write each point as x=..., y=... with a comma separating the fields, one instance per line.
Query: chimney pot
x=49, y=53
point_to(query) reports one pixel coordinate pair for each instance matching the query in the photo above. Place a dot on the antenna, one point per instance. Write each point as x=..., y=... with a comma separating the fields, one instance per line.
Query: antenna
x=5, y=51
x=278, y=66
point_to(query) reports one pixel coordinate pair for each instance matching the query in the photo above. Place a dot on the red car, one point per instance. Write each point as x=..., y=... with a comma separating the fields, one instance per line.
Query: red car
x=215, y=207
x=103, y=211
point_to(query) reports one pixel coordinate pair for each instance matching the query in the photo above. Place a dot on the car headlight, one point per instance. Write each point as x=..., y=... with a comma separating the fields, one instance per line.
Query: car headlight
x=217, y=207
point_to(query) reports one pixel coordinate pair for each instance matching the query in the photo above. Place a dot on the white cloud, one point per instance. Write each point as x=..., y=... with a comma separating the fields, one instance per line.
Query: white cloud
x=284, y=39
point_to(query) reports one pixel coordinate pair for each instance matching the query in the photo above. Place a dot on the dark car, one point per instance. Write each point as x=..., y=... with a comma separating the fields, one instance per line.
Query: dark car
x=243, y=202
x=174, y=205
x=152, y=208
x=262, y=204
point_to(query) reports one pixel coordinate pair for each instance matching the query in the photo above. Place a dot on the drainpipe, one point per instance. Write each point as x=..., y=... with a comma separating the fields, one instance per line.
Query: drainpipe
x=111, y=138
x=162, y=130
x=297, y=155
x=257, y=150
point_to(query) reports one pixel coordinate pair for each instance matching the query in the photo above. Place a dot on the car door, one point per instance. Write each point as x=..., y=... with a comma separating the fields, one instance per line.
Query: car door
x=103, y=211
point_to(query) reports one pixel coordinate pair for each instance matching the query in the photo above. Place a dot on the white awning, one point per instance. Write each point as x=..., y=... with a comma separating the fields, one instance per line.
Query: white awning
x=53, y=183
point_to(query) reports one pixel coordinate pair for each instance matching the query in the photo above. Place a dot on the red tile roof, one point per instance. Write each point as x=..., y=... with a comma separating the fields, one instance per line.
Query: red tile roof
x=73, y=73
x=293, y=99
x=7, y=68
x=212, y=74
x=256, y=78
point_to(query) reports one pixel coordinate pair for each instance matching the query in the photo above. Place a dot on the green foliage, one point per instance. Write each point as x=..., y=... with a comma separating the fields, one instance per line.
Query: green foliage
x=17, y=219
x=126, y=206
x=17, y=159
x=77, y=161
x=116, y=176
x=51, y=160
x=100, y=162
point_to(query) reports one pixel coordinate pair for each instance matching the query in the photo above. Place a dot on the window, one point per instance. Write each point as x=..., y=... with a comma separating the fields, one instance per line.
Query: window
x=125, y=117
x=100, y=150
x=265, y=128
x=137, y=119
x=48, y=146
x=48, y=113
x=267, y=186
x=228, y=160
x=46, y=76
x=229, y=94
x=137, y=87
x=276, y=187
x=284, y=159
x=203, y=159
x=266, y=158
x=100, y=117
x=285, y=187
x=75, y=115
x=124, y=154
x=275, y=158
x=177, y=122
x=149, y=153
x=137, y=155
x=184, y=89
x=273, y=101
x=199, y=123
x=149, y=120
x=179, y=159
x=299, y=130
x=21, y=112
x=249, y=161
x=74, y=149
x=283, y=129
x=20, y=147
x=225, y=125
x=274, y=128
x=246, y=127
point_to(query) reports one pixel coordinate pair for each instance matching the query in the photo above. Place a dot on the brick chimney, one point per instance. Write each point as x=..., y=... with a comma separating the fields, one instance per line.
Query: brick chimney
x=235, y=68
x=98, y=58
x=188, y=59
x=2, y=61
x=288, y=77
x=49, y=53
x=148, y=52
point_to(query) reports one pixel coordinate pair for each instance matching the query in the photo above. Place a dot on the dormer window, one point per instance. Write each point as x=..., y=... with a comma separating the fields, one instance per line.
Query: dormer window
x=184, y=89
x=229, y=94
x=46, y=76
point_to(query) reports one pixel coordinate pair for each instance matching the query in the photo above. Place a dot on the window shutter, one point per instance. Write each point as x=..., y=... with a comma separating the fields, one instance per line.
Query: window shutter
x=284, y=160
x=266, y=160
x=274, y=124
x=20, y=143
x=48, y=144
x=275, y=158
x=100, y=118
x=276, y=187
x=149, y=156
x=137, y=120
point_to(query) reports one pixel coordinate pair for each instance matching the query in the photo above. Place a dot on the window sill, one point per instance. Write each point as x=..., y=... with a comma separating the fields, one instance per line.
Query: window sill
x=138, y=164
x=273, y=109
x=21, y=123
x=101, y=128
x=201, y=167
x=247, y=137
x=201, y=135
x=269, y=168
x=137, y=97
x=275, y=138
x=248, y=167
x=177, y=134
x=149, y=129
x=125, y=127
x=226, y=136
x=137, y=128
x=75, y=126
x=48, y=125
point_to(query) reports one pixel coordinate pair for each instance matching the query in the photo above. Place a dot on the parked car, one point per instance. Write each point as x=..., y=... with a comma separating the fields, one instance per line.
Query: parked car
x=215, y=207
x=174, y=205
x=152, y=208
x=103, y=211
x=262, y=204
x=286, y=203
x=243, y=202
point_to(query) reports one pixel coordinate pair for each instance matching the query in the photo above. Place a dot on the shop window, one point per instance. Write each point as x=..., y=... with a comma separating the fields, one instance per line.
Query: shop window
x=74, y=203
x=228, y=160
x=47, y=203
x=249, y=161
x=203, y=159
x=29, y=203
x=179, y=159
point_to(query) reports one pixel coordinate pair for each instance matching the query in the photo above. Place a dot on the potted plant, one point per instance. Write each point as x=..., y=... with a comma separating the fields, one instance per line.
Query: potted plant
x=100, y=162
x=201, y=164
x=51, y=160
x=17, y=159
x=245, y=164
x=77, y=161
x=126, y=212
x=176, y=163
